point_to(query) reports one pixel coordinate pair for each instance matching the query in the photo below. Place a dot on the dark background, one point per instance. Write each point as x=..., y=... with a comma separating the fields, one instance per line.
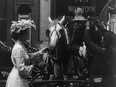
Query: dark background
x=62, y=7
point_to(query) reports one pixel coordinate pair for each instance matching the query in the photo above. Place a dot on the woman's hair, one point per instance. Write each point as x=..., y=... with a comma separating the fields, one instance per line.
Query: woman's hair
x=16, y=36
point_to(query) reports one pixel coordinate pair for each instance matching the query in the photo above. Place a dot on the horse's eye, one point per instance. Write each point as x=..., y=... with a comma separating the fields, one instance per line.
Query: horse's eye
x=47, y=32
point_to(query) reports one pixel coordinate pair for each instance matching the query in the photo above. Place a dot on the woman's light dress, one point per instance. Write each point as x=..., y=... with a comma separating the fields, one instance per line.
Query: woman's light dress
x=18, y=77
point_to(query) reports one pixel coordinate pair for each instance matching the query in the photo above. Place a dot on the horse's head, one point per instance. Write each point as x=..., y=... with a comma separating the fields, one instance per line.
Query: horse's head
x=55, y=32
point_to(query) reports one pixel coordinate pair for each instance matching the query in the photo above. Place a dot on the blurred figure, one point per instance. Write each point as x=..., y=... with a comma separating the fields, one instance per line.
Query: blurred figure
x=103, y=68
x=111, y=24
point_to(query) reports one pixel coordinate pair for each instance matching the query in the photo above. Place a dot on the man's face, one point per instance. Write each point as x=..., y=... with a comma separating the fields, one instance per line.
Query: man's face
x=78, y=11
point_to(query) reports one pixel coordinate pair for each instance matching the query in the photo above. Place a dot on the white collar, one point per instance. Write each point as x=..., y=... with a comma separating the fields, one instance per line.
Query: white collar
x=79, y=18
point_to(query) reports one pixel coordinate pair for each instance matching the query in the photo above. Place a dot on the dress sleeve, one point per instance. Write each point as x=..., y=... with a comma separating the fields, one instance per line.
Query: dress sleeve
x=19, y=61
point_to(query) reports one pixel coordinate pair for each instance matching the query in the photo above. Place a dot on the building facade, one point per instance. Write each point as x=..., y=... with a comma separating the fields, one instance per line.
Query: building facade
x=13, y=10
x=39, y=11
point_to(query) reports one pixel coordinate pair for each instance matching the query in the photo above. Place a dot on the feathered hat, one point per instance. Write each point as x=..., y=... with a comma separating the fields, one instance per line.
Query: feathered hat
x=17, y=26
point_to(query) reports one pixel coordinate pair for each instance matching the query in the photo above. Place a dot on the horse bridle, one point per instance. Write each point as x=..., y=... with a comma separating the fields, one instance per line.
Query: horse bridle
x=57, y=32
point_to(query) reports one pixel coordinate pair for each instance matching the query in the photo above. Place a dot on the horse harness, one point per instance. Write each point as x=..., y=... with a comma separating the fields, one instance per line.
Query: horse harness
x=52, y=55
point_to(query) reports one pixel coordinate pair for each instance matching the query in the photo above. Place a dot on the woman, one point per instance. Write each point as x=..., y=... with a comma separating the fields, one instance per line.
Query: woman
x=21, y=59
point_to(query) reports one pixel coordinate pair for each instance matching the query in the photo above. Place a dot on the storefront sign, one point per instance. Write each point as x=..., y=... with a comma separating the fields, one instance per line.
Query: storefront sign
x=66, y=7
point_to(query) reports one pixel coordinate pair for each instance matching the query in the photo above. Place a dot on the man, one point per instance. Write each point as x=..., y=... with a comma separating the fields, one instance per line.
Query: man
x=103, y=59
x=75, y=29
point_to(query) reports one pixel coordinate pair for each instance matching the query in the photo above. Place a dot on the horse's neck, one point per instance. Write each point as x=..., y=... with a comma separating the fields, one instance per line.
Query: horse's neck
x=61, y=48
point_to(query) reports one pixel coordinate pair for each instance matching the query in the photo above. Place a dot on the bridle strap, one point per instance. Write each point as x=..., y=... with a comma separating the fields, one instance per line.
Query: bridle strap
x=65, y=32
x=53, y=32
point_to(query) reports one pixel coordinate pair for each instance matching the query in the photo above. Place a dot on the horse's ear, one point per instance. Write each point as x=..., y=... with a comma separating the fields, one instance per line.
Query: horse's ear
x=50, y=20
x=63, y=18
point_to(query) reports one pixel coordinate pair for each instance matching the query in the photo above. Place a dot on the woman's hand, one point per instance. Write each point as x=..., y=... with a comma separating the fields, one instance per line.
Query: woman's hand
x=39, y=56
x=44, y=50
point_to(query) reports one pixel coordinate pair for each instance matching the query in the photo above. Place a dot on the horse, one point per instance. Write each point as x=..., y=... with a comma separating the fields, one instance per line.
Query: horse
x=62, y=40
x=58, y=45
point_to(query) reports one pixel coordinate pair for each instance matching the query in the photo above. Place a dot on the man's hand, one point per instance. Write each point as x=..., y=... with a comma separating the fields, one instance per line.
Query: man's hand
x=87, y=25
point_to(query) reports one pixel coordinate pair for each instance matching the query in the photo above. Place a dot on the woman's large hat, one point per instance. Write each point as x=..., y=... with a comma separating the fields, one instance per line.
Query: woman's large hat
x=23, y=24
